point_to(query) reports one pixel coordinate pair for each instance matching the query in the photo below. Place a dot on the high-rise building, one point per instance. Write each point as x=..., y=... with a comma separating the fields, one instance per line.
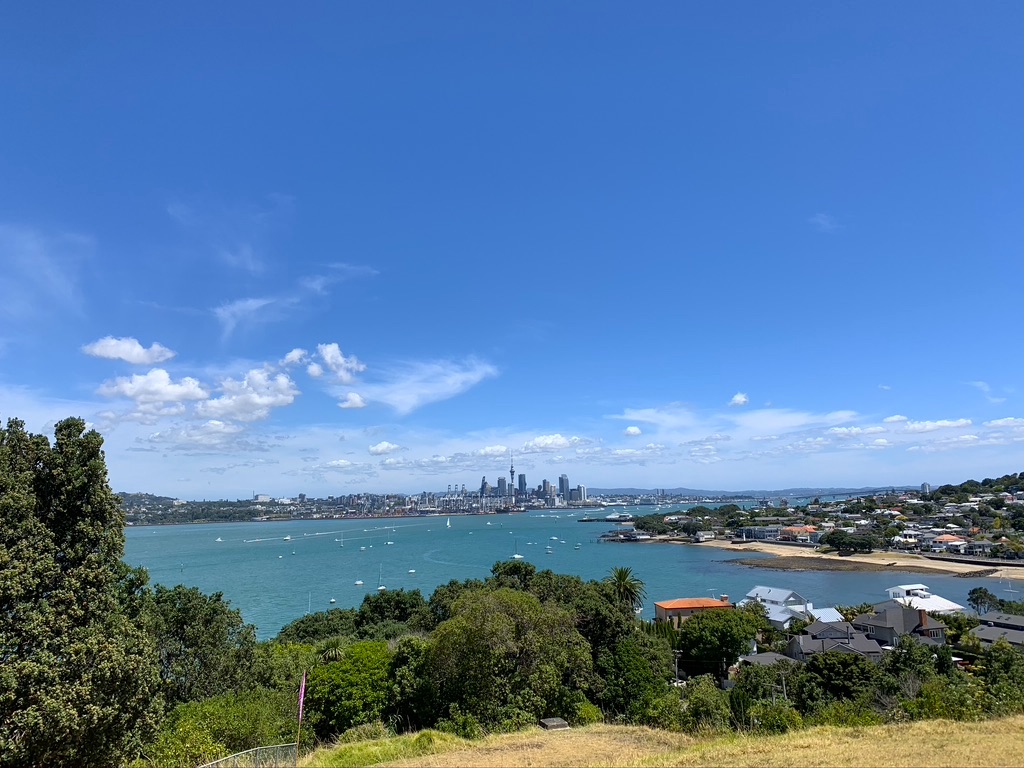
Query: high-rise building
x=522, y=484
x=563, y=486
x=484, y=487
x=926, y=488
x=502, y=487
x=582, y=492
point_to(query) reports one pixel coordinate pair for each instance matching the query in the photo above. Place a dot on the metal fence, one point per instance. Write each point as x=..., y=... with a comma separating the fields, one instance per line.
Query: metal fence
x=278, y=756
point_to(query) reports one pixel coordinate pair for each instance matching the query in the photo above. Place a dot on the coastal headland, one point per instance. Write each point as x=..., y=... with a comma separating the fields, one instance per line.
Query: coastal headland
x=805, y=559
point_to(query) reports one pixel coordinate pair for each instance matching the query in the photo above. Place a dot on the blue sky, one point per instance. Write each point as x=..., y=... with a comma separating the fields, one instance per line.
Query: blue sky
x=344, y=247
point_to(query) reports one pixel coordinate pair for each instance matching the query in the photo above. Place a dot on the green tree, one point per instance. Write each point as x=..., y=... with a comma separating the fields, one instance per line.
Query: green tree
x=832, y=676
x=78, y=675
x=982, y=600
x=634, y=675
x=350, y=692
x=707, y=706
x=314, y=627
x=204, y=646
x=628, y=589
x=504, y=656
x=713, y=640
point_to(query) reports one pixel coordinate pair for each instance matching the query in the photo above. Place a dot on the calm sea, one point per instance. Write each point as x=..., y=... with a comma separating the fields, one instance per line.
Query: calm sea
x=274, y=580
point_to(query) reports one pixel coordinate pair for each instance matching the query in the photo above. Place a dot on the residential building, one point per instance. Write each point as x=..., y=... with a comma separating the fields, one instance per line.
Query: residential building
x=783, y=606
x=1000, y=626
x=919, y=596
x=890, y=620
x=678, y=611
x=833, y=636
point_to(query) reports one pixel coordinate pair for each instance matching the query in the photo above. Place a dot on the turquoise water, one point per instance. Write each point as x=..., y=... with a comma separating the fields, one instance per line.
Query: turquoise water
x=273, y=581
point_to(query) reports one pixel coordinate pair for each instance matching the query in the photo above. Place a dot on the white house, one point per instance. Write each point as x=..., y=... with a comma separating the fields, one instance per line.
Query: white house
x=920, y=597
x=785, y=605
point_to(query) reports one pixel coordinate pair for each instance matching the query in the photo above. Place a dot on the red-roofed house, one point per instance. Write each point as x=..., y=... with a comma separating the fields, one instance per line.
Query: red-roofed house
x=678, y=611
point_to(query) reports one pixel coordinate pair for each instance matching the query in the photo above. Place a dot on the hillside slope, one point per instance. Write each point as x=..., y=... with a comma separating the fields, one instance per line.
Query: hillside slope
x=934, y=743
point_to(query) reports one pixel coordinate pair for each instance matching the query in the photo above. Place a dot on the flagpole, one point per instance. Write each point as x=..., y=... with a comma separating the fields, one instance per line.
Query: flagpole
x=302, y=697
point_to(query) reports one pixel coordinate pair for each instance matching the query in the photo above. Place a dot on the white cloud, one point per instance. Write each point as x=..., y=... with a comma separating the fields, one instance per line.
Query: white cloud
x=383, y=448
x=243, y=311
x=895, y=419
x=824, y=222
x=1007, y=422
x=632, y=431
x=740, y=398
x=668, y=417
x=419, y=384
x=212, y=436
x=986, y=390
x=555, y=442
x=932, y=426
x=343, y=368
x=352, y=400
x=492, y=450
x=153, y=387
x=855, y=431
x=294, y=357
x=884, y=387
x=129, y=350
x=252, y=398
x=315, y=370
x=340, y=466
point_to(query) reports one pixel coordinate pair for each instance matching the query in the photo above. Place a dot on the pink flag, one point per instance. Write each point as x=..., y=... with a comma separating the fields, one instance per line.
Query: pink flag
x=302, y=695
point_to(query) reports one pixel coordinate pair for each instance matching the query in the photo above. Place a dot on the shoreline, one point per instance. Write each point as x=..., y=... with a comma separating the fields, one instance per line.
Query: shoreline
x=796, y=558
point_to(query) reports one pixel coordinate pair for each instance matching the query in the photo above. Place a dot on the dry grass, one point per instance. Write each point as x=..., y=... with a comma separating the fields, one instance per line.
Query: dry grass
x=933, y=743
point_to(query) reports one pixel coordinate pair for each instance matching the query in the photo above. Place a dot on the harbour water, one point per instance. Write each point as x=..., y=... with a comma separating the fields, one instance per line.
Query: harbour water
x=274, y=572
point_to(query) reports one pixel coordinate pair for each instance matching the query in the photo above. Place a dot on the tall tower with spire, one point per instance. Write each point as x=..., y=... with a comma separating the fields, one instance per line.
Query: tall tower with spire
x=511, y=474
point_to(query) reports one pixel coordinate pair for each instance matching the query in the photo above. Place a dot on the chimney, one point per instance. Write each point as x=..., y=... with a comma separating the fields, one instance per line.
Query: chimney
x=922, y=618
x=725, y=598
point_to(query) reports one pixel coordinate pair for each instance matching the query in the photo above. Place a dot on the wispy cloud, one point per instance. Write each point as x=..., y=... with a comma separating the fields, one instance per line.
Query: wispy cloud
x=40, y=271
x=932, y=426
x=986, y=390
x=343, y=368
x=245, y=312
x=129, y=350
x=824, y=222
x=411, y=386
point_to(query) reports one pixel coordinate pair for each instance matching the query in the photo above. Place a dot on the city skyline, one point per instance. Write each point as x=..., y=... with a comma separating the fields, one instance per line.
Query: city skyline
x=342, y=249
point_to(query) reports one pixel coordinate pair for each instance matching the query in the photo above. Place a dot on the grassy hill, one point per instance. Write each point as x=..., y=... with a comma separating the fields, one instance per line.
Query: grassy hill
x=933, y=743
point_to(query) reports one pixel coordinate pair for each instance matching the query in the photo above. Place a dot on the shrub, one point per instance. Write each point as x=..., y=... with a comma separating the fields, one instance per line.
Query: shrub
x=462, y=724
x=586, y=714
x=365, y=732
x=350, y=692
x=775, y=717
x=707, y=706
x=845, y=714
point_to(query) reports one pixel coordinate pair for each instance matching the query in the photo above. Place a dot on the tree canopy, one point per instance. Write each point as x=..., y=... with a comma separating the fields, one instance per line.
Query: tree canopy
x=78, y=678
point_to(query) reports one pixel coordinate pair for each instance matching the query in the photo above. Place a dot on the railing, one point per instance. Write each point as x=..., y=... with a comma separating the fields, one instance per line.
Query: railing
x=278, y=756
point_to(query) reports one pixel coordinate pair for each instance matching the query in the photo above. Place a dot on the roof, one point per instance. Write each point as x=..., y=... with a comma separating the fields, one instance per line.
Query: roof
x=692, y=602
x=858, y=643
x=1014, y=620
x=774, y=594
x=991, y=634
x=766, y=659
x=896, y=616
x=815, y=628
x=906, y=587
x=828, y=615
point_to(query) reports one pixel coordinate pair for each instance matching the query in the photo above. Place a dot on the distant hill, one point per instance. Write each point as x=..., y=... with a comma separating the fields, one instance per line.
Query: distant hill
x=756, y=494
x=141, y=499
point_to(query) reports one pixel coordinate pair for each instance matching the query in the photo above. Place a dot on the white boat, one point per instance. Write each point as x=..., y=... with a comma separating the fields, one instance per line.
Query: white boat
x=362, y=549
x=359, y=583
x=218, y=539
x=449, y=523
x=389, y=543
x=554, y=538
x=287, y=538
x=380, y=571
x=578, y=545
x=618, y=517
x=517, y=556
x=412, y=570
x=332, y=601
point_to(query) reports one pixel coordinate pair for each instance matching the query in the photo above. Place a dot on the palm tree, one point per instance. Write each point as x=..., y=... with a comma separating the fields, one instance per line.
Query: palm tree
x=331, y=649
x=627, y=587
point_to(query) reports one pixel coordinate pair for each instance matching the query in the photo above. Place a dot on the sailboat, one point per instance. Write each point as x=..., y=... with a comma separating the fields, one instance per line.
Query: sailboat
x=517, y=556
x=449, y=523
x=342, y=540
x=380, y=571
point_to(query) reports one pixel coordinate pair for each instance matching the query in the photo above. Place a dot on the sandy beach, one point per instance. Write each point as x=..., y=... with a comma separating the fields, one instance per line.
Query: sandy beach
x=874, y=561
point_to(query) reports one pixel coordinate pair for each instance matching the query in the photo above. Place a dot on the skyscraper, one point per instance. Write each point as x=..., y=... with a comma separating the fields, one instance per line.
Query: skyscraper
x=502, y=487
x=522, y=484
x=563, y=486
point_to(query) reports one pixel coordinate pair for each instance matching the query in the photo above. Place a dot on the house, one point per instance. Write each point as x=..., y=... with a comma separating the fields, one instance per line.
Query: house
x=947, y=542
x=833, y=636
x=765, y=659
x=919, y=596
x=891, y=620
x=678, y=611
x=783, y=606
x=980, y=547
x=797, y=533
x=1000, y=626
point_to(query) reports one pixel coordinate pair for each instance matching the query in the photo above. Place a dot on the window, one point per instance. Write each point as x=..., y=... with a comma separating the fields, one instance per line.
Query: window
x=936, y=633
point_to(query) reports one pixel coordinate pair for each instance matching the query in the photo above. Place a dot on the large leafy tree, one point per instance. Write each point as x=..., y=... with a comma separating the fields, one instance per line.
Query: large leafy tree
x=351, y=691
x=204, y=646
x=506, y=657
x=713, y=640
x=78, y=675
x=628, y=589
